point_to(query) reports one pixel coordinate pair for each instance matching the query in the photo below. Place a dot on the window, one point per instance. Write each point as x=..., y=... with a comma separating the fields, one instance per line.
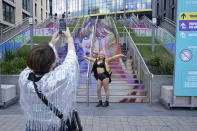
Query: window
x=12, y=1
x=173, y=13
x=36, y=10
x=46, y=4
x=8, y=13
x=41, y=2
x=25, y=15
x=157, y=9
x=26, y=5
x=46, y=15
x=41, y=14
x=165, y=4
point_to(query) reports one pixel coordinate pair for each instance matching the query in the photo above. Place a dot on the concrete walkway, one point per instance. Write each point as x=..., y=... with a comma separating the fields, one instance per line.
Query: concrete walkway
x=116, y=117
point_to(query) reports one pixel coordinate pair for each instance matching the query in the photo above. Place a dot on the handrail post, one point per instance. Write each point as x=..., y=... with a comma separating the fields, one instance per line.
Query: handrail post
x=1, y=40
x=150, y=88
x=89, y=63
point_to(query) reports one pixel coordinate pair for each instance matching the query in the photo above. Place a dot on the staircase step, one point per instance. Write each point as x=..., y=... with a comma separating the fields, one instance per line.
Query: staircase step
x=120, y=82
x=113, y=79
x=113, y=74
x=112, y=69
x=122, y=99
x=115, y=86
x=109, y=65
x=112, y=92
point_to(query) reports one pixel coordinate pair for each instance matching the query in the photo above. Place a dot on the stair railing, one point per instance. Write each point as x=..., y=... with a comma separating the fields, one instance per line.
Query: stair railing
x=170, y=21
x=169, y=25
x=75, y=29
x=147, y=21
x=88, y=81
x=144, y=74
x=9, y=32
x=115, y=30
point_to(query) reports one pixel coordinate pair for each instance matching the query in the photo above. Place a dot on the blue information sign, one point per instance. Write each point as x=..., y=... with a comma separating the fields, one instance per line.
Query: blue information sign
x=186, y=49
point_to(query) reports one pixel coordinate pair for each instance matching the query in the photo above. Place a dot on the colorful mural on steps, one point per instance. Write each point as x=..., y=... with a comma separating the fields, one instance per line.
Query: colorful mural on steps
x=162, y=35
x=105, y=40
x=112, y=48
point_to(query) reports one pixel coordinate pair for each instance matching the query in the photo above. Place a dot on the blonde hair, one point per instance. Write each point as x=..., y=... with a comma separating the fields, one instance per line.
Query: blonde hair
x=102, y=52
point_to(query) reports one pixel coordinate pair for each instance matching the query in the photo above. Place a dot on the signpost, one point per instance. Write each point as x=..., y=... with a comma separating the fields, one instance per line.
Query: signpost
x=154, y=21
x=31, y=23
x=186, y=49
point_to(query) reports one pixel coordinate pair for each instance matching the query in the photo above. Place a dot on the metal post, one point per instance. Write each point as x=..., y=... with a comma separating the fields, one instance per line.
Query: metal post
x=0, y=61
x=14, y=43
x=124, y=8
x=1, y=40
x=116, y=10
x=139, y=72
x=174, y=100
x=192, y=100
x=154, y=23
x=150, y=95
x=78, y=8
x=31, y=23
x=23, y=37
x=66, y=9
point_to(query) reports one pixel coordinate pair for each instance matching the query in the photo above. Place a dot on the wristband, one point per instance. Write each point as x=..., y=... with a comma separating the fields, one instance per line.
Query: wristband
x=69, y=38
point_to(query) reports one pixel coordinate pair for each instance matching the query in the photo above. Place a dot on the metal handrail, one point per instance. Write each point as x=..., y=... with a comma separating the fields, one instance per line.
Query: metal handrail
x=89, y=63
x=167, y=32
x=116, y=30
x=140, y=63
x=45, y=23
x=147, y=21
x=14, y=36
x=75, y=29
x=84, y=21
x=137, y=50
x=170, y=21
x=12, y=32
x=12, y=27
x=135, y=18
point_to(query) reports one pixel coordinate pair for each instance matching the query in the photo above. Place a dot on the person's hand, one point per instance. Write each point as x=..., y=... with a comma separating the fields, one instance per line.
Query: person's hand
x=122, y=55
x=55, y=38
x=67, y=33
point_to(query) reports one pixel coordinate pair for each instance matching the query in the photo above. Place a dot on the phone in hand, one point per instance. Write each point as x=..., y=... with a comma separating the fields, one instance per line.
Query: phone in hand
x=62, y=25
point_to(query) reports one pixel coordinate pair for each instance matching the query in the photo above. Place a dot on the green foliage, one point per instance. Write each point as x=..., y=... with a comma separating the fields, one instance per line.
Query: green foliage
x=14, y=62
x=41, y=39
x=136, y=39
x=8, y=54
x=72, y=26
x=160, y=62
x=14, y=66
x=22, y=52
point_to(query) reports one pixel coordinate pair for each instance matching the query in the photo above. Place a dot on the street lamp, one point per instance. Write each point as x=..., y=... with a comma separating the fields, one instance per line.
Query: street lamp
x=154, y=21
x=31, y=24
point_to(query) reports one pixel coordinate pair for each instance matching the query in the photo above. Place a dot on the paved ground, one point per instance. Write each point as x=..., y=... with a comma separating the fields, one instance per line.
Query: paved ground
x=117, y=117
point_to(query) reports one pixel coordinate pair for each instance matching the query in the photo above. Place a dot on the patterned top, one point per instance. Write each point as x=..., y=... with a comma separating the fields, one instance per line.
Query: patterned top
x=59, y=86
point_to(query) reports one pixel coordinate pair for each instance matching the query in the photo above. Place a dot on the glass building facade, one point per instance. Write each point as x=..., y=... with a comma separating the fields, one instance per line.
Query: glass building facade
x=86, y=7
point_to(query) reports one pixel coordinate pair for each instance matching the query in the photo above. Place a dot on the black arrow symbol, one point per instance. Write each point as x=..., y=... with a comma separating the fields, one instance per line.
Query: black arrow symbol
x=183, y=15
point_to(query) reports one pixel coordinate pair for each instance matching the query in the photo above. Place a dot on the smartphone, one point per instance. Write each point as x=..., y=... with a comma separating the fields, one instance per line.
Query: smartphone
x=62, y=25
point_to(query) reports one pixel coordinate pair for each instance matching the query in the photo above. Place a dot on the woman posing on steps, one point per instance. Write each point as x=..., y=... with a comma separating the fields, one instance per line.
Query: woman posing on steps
x=102, y=74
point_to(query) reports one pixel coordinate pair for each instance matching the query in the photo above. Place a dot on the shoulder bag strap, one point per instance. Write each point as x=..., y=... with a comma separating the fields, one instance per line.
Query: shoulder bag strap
x=51, y=107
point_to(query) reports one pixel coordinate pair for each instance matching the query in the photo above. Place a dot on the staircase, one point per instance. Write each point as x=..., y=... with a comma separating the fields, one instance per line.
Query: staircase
x=125, y=86
x=169, y=25
x=9, y=32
